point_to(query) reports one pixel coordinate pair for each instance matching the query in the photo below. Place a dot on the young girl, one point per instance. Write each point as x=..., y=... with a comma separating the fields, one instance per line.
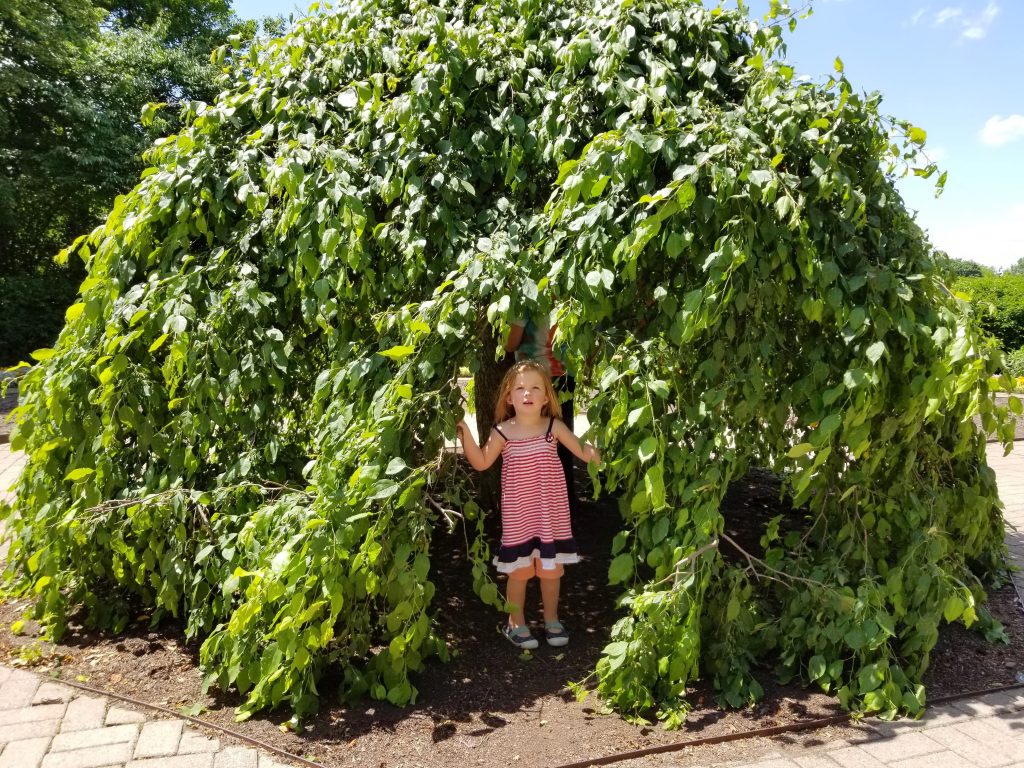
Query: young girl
x=536, y=536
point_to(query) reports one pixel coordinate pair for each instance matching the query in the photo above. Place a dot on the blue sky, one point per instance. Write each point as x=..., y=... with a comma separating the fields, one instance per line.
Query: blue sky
x=952, y=67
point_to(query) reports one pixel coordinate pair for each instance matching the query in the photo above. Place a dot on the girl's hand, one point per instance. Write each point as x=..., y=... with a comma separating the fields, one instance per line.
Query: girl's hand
x=461, y=428
x=591, y=454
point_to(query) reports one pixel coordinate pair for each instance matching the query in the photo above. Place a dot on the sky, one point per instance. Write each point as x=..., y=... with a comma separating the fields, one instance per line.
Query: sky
x=952, y=67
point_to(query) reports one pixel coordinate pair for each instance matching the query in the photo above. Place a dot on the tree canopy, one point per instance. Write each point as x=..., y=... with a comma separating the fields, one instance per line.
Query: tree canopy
x=244, y=422
x=76, y=77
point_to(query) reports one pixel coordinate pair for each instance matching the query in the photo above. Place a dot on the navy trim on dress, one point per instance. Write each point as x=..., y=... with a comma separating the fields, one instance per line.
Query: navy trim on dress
x=548, y=549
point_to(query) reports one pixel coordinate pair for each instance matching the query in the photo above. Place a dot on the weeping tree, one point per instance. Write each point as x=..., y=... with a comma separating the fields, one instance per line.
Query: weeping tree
x=245, y=423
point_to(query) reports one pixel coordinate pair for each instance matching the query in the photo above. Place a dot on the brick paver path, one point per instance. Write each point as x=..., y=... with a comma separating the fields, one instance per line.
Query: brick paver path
x=47, y=725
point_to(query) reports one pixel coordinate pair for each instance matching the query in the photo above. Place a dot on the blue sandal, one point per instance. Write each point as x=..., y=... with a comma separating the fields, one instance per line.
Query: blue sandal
x=556, y=633
x=520, y=637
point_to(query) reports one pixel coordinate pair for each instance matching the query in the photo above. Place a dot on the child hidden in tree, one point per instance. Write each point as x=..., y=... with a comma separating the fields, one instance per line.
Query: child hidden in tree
x=536, y=533
x=532, y=340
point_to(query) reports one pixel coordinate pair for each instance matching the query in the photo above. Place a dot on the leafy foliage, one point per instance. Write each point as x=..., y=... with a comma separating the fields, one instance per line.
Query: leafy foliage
x=967, y=268
x=76, y=77
x=31, y=313
x=243, y=423
x=1014, y=365
x=999, y=301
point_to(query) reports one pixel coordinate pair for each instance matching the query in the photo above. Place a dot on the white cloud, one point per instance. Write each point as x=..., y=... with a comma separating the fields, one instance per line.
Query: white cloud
x=972, y=27
x=995, y=239
x=917, y=16
x=1000, y=130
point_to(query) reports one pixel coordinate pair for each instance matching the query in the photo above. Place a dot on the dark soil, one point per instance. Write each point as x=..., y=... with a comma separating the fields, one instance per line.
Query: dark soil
x=489, y=705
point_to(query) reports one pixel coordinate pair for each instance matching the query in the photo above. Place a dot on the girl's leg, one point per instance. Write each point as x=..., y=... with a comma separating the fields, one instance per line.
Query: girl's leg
x=516, y=594
x=549, y=589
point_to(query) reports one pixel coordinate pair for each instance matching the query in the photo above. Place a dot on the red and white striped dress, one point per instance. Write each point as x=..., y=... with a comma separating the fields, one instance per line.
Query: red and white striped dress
x=534, y=505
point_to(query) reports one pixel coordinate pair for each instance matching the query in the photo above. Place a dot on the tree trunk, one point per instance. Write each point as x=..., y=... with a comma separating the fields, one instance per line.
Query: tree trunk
x=485, y=395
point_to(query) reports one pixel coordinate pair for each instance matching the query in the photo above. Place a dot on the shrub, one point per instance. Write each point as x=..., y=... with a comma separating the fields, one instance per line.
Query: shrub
x=1014, y=363
x=243, y=423
x=999, y=301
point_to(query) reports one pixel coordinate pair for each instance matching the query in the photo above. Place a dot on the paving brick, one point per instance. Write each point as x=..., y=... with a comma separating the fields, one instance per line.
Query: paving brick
x=977, y=753
x=27, y=753
x=944, y=759
x=20, y=731
x=202, y=760
x=773, y=763
x=947, y=714
x=84, y=713
x=815, y=761
x=158, y=738
x=18, y=690
x=901, y=747
x=986, y=707
x=888, y=729
x=1008, y=725
x=93, y=757
x=118, y=716
x=33, y=714
x=94, y=737
x=5, y=672
x=53, y=693
x=854, y=757
x=236, y=757
x=192, y=741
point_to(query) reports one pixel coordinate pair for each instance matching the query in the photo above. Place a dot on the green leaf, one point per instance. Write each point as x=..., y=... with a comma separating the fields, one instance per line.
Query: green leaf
x=875, y=351
x=816, y=667
x=648, y=448
x=159, y=342
x=799, y=450
x=79, y=474
x=397, y=352
x=192, y=710
x=621, y=569
x=686, y=194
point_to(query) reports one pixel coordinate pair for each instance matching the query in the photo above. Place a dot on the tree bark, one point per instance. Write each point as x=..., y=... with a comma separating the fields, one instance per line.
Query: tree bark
x=485, y=395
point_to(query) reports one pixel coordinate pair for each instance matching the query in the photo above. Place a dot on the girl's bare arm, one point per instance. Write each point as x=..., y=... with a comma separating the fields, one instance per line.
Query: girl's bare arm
x=479, y=458
x=565, y=436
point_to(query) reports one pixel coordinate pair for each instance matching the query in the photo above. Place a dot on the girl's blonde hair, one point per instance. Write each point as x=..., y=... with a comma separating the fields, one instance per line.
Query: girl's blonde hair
x=503, y=408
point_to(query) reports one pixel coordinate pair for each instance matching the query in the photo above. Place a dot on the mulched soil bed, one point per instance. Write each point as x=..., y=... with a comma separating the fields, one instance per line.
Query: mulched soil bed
x=489, y=706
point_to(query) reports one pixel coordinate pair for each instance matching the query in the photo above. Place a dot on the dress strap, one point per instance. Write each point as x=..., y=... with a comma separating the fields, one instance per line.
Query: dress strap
x=547, y=435
x=497, y=429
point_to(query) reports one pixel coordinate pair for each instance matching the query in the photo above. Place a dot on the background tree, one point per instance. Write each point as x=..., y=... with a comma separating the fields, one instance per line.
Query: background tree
x=244, y=422
x=966, y=267
x=76, y=78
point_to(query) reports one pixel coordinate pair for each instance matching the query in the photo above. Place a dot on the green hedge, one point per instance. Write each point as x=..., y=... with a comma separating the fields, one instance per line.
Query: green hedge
x=1005, y=318
x=31, y=313
x=1014, y=364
